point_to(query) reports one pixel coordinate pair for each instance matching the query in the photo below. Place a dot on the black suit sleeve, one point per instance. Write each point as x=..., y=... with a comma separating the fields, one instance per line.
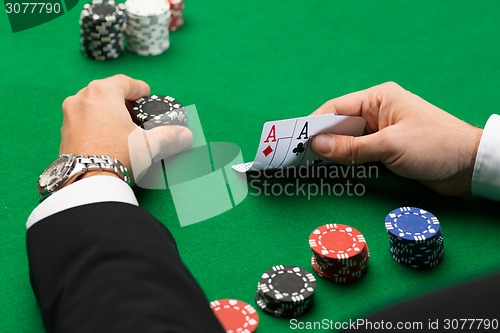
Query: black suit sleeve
x=112, y=267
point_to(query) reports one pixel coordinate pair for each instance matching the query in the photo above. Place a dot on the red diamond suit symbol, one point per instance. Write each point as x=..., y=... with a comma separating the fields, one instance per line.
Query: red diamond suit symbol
x=267, y=151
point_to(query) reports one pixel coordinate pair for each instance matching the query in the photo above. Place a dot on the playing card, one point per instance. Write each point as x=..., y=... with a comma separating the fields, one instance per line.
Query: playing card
x=306, y=128
x=286, y=143
x=274, y=144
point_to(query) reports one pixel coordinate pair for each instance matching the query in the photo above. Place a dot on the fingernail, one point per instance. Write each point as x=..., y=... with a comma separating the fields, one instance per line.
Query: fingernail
x=324, y=144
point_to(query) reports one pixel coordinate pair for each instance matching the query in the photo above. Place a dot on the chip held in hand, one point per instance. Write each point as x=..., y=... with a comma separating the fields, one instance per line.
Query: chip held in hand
x=157, y=110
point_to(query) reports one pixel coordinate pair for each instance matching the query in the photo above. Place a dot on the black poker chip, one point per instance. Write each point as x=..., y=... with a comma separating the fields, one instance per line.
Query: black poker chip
x=285, y=291
x=157, y=110
x=276, y=311
x=102, y=28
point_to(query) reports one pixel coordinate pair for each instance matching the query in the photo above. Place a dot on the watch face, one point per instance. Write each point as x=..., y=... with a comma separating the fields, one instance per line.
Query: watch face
x=55, y=172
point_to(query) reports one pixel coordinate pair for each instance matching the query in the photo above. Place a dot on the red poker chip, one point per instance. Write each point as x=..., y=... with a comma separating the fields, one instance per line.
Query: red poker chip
x=339, y=271
x=340, y=253
x=357, y=261
x=176, y=23
x=338, y=278
x=176, y=17
x=337, y=241
x=235, y=316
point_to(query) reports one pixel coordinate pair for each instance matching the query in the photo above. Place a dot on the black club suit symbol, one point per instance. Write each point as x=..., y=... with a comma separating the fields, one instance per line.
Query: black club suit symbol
x=299, y=149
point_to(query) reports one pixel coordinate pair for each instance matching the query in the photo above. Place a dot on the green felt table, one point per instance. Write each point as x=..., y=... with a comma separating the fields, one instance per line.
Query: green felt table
x=242, y=64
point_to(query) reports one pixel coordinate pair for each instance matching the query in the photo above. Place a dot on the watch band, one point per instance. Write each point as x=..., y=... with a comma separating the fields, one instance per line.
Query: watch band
x=75, y=166
x=105, y=163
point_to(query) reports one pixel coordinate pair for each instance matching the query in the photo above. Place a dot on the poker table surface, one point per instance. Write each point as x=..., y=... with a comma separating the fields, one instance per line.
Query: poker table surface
x=242, y=64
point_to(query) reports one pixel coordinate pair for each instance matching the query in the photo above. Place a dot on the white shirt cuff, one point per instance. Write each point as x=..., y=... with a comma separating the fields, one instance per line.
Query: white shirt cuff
x=486, y=175
x=86, y=191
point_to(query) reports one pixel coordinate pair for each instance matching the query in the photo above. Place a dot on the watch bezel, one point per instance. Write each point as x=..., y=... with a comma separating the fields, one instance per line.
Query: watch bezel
x=49, y=183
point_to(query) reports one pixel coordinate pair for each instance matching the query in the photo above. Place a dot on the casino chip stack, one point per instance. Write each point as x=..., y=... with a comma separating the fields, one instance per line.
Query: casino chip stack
x=340, y=253
x=155, y=110
x=177, y=16
x=235, y=316
x=415, y=237
x=147, y=26
x=285, y=291
x=102, y=24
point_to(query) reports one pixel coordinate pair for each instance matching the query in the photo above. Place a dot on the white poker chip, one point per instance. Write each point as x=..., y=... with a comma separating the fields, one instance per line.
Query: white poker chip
x=147, y=26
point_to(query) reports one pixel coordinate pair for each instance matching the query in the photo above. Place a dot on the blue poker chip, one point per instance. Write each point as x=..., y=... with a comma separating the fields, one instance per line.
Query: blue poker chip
x=411, y=223
x=413, y=262
x=428, y=239
x=415, y=237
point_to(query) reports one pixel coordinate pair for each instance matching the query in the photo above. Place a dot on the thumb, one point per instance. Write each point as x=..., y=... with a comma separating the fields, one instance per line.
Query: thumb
x=345, y=149
x=165, y=141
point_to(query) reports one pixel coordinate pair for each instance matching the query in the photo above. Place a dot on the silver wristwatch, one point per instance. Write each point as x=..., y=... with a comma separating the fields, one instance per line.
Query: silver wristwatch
x=68, y=167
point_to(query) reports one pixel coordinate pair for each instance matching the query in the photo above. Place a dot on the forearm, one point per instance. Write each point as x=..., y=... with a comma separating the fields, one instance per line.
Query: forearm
x=112, y=267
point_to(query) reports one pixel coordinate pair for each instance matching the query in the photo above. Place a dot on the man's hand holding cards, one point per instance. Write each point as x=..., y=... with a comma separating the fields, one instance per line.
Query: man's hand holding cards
x=286, y=143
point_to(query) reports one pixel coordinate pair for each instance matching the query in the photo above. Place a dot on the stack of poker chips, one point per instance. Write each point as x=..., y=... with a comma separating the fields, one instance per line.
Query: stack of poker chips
x=102, y=24
x=156, y=110
x=147, y=26
x=177, y=16
x=285, y=291
x=415, y=237
x=340, y=253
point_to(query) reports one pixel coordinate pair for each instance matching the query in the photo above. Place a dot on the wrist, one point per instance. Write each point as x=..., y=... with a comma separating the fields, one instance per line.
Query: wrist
x=98, y=173
x=92, y=173
x=89, y=174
